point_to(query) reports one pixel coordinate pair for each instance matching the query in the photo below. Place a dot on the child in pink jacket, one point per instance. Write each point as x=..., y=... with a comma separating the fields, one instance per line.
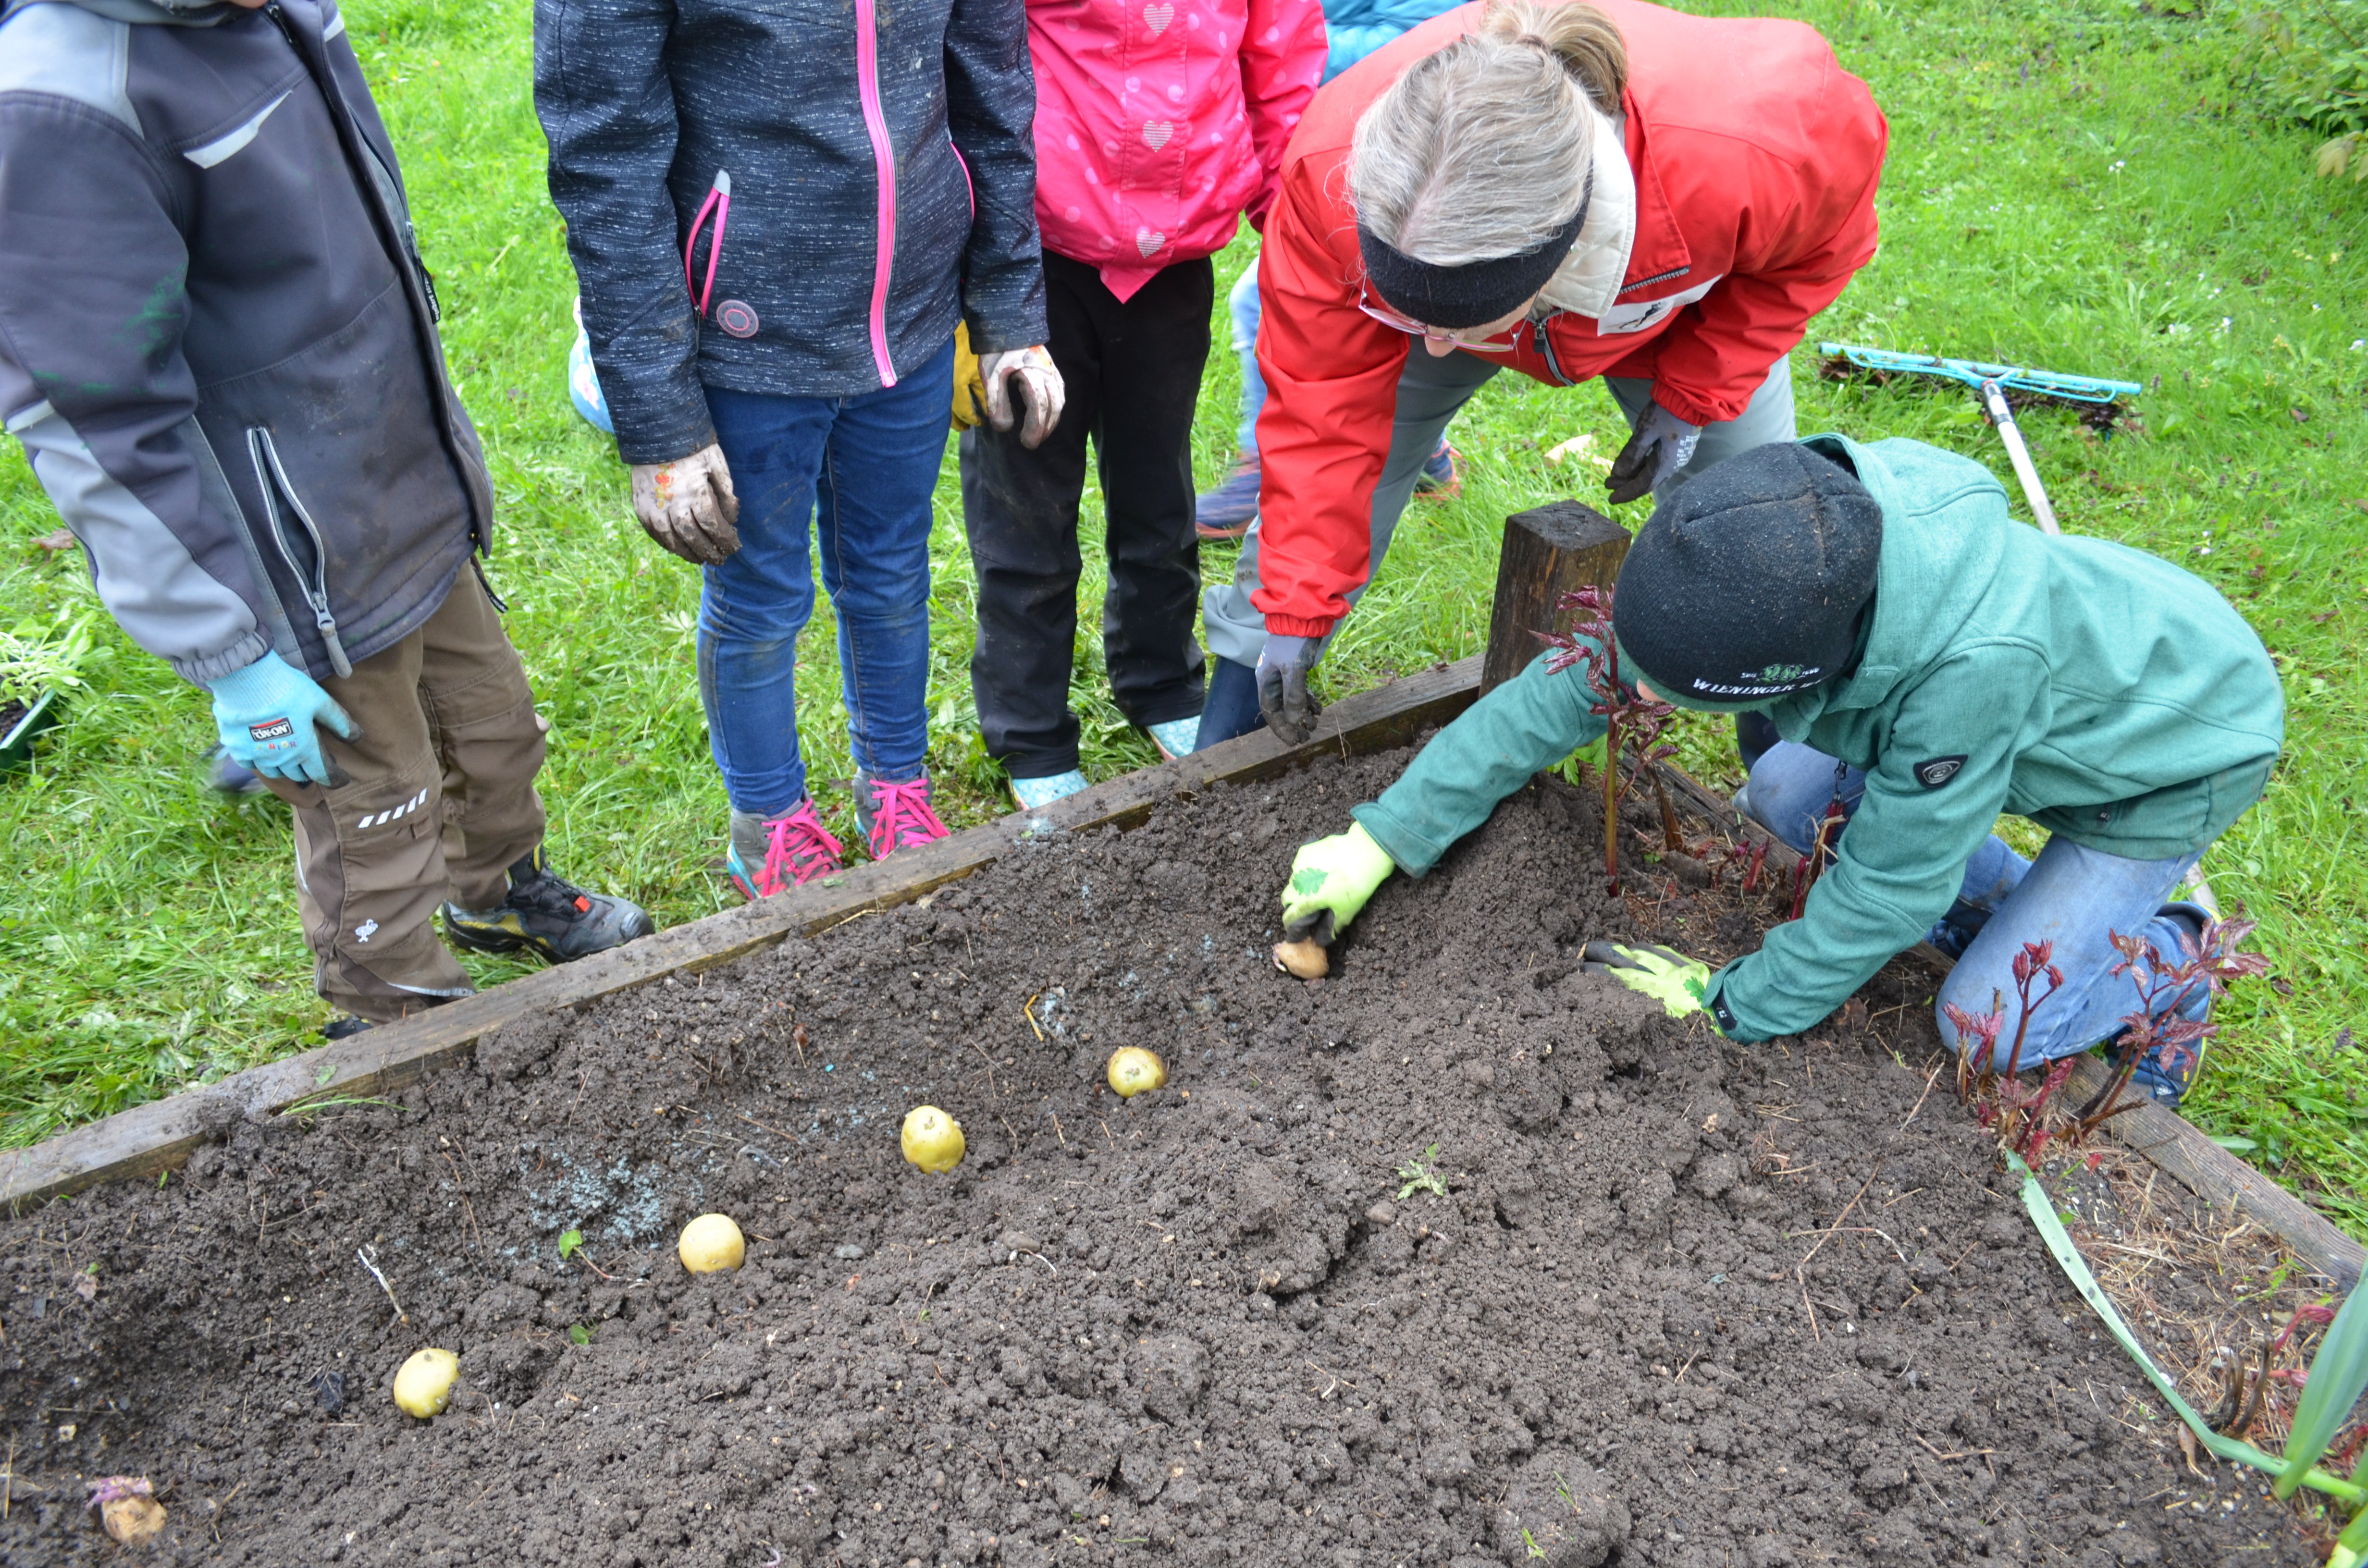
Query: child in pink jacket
x=1159, y=125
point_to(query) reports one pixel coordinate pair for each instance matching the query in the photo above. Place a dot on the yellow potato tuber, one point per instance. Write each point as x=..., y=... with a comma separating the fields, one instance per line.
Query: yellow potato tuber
x=127, y=1508
x=1307, y=960
x=422, y=1387
x=932, y=1140
x=1133, y=1069
x=710, y=1243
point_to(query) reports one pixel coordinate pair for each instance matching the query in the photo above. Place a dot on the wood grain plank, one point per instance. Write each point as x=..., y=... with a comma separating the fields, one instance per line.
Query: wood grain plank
x=160, y=1135
x=1548, y=551
x=2213, y=1173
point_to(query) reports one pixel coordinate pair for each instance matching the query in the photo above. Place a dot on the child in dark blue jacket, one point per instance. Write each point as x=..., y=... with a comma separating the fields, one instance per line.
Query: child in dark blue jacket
x=778, y=215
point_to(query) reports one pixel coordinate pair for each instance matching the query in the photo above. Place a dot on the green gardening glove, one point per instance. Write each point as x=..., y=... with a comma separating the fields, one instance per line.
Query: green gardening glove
x=1330, y=880
x=1673, y=980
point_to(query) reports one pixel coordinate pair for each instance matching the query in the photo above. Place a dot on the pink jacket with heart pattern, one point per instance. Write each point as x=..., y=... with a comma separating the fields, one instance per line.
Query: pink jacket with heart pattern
x=1159, y=123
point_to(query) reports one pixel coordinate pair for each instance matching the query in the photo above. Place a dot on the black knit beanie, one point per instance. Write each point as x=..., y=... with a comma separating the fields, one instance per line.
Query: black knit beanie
x=1747, y=585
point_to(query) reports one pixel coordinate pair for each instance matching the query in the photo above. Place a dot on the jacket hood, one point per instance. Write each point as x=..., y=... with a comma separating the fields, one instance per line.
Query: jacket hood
x=139, y=13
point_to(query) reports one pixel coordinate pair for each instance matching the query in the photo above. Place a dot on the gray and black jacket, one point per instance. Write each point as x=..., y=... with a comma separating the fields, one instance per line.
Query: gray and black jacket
x=217, y=343
x=880, y=166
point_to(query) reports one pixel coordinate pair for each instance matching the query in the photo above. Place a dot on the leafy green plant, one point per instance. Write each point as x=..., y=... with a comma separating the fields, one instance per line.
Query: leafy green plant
x=1421, y=1175
x=34, y=658
x=2309, y=63
x=578, y=1333
x=570, y=1242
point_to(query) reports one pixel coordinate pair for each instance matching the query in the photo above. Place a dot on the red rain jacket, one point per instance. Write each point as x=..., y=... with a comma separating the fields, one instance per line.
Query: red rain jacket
x=1756, y=157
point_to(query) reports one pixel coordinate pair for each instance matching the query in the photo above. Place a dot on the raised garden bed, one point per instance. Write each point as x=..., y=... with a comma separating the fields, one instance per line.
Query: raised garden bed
x=1682, y=1303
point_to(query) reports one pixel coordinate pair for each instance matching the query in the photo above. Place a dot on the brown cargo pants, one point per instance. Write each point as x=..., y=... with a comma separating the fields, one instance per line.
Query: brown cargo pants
x=438, y=800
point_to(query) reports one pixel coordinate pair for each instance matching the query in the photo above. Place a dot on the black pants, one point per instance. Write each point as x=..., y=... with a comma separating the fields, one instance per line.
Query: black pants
x=1132, y=373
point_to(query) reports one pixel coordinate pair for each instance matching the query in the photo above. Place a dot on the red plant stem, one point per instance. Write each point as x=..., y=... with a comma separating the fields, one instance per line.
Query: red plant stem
x=1671, y=839
x=2022, y=1024
x=2036, y=1109
x=1813, y=864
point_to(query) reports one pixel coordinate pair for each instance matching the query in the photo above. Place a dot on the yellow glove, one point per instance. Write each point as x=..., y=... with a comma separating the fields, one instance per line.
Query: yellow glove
x=1330, y=881
x=970, y=389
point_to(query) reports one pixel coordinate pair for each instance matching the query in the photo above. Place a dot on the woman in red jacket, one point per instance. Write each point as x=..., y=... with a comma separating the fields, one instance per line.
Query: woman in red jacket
x=1570, y=190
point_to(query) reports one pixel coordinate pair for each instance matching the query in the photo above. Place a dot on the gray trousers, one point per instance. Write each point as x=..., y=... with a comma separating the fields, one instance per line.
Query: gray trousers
x=1431, y=390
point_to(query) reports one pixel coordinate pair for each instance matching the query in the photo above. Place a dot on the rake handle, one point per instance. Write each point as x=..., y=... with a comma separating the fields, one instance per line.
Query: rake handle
x=1994, y=405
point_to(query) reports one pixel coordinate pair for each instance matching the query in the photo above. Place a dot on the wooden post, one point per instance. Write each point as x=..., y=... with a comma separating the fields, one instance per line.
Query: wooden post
x=1549, y=550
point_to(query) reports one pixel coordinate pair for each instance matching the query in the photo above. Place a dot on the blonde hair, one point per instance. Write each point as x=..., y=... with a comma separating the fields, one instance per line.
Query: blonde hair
x=1481, y=150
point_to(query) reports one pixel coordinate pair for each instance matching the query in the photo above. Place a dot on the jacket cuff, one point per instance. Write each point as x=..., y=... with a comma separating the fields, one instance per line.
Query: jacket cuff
x=1723, y=1014
x=207, y=668
x=658, y=423
x=1299, y=626
x=1691, y=409
x=1004, y=336
x=1407, y=850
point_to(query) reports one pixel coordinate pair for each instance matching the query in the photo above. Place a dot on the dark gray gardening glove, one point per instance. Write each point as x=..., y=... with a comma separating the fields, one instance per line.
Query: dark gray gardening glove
x=1290, y=708
x=1662, y=444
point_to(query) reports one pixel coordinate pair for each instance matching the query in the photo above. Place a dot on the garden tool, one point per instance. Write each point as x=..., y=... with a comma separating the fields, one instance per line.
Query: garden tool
x=1990, y=384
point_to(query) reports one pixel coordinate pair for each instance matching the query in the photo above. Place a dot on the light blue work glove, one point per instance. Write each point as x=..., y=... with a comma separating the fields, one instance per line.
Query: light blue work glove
x=1290, y=708
x=268, y=715
x=1661, y=445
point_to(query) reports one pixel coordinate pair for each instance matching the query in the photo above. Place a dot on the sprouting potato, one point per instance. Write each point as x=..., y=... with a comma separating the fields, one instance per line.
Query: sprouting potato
x=710, y=1243
x=932, y=1140
x=1305, y=961
x=1133, y=1069
x=422, y=1386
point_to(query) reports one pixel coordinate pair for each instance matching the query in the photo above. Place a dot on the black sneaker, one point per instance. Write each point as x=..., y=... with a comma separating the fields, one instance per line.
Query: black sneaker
x=549, y=914
x=345, y=1026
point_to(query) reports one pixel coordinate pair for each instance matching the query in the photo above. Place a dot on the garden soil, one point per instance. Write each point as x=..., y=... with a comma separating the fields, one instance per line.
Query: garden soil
x=1460, y=1256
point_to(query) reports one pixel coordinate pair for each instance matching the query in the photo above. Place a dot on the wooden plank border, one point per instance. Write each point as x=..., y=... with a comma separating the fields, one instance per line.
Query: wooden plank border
x=161, y=1134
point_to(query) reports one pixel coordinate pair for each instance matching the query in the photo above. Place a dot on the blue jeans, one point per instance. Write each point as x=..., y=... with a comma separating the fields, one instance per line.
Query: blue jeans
x=864, y=468
x=2072, y=896
x=1242, y=304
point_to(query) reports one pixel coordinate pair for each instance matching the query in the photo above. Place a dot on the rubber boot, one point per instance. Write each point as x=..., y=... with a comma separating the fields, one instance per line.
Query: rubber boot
x=1232, y=706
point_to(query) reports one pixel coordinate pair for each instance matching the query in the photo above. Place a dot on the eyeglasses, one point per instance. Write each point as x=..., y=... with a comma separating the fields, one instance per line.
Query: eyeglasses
x=1390, y=318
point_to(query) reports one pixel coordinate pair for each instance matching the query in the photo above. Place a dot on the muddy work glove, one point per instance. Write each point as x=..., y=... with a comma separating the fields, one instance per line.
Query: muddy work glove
x=269, y=717
x=1661, y=445
x=1040, y=393
x=688, y=506
x=1673, y=980
x=1330, y=881
x=1283, y=666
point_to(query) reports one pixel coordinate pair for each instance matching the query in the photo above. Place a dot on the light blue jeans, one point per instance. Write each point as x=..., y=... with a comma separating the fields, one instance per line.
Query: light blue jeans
x=1242, y=304
x=859, y=474
x=1431, y=390
x=2073, y=896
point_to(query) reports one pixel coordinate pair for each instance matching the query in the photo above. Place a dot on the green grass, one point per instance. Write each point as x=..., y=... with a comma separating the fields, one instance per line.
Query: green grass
x=2074, y=184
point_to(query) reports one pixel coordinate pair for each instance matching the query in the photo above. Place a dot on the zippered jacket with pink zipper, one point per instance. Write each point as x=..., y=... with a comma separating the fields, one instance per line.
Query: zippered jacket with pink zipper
x=878, y=186
x=1160, y=122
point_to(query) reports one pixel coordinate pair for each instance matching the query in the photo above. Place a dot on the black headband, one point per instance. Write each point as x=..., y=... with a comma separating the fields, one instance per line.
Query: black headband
x=1471, y=294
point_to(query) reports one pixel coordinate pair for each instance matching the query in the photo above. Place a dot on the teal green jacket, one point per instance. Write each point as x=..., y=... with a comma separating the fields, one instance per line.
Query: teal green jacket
x=2101, y=692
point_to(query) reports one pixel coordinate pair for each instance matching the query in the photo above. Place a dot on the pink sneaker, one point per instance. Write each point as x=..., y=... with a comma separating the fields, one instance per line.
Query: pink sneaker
x=789, y=851
x=896, y=814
